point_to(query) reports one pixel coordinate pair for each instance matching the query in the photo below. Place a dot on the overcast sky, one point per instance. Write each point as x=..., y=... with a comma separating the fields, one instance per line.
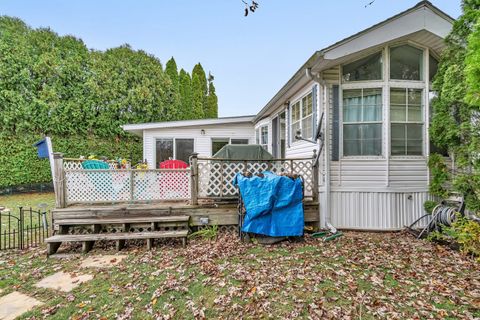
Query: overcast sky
x=251, y=57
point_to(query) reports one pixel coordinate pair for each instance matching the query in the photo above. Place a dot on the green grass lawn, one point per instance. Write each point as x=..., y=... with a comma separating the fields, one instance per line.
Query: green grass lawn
x=358, y=276
x=27, y=200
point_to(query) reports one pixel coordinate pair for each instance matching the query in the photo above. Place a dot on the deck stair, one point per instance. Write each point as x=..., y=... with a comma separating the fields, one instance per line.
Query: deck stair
x=90, y=229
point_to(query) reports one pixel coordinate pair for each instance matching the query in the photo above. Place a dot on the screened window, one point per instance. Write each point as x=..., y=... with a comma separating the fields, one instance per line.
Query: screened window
x=302, y=117
x=406, y=117
x=362, y=122
x=369, y=68
x=406, y=63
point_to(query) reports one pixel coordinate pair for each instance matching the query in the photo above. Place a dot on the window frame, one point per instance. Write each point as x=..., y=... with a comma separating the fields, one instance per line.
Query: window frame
x=359, y=85
x=299, y=101
x=174, y=146
x=406, y=122
x=371, y=53
x=386, y=84
x=229, y=141
x=425, y=68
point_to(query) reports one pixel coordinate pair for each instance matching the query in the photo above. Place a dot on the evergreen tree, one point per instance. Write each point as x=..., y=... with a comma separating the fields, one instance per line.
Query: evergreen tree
x=186, y=99
x=455, y=126
x=198, y=70
x=198, y=98
x=173, y=103
x=212, y=101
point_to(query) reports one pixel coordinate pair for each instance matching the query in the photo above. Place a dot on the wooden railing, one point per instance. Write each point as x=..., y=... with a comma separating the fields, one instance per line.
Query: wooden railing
x=78, y=185
x=207, y=178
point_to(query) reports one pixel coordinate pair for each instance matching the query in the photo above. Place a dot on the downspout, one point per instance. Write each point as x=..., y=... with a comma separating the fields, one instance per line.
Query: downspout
x=318, y=79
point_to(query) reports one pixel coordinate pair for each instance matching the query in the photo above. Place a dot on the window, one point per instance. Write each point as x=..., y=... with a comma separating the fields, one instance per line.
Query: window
x=183, y=149
x=406, y=63
x=362, y=122
x=164, y=150
x=264, y=137
x=369, y=68
x=179, y=149
x=257, y=136
x=302, y=117
x=219, y=143
x=239, y=141
x=406, y=116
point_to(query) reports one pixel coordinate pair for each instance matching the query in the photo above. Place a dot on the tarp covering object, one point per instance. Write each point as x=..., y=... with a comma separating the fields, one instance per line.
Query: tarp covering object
x=243, y=152
x=273, y=204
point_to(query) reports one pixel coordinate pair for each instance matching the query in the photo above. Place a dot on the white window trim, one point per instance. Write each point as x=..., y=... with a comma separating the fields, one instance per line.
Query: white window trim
x=386, y=84
x=174, y=147
x=294, y=141
x=229, y=141
x=422, y=122
x=381, y=122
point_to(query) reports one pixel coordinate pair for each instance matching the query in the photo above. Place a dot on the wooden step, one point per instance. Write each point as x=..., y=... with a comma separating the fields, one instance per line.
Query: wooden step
x=160, y=219
x=88, y=240
x=117, y=236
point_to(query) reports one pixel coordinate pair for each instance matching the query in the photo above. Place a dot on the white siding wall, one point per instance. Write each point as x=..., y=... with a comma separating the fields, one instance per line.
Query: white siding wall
x=202, y=143
x=366, y=193
x=301, y=149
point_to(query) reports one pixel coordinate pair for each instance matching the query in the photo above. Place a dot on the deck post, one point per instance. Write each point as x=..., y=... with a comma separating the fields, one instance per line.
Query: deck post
x=315, y=177
x=59, y=180
x=194, y=178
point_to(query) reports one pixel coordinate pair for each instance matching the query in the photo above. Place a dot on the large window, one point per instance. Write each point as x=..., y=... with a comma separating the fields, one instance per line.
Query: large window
x=406, y=116
x=219, y=143
x=369, y=68
x=169, y=148
x=362, y=122
x=406, y=63
x=302, y=117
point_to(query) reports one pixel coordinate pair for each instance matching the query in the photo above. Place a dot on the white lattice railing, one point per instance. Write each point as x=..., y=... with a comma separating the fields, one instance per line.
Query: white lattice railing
x=124, y=185
x=215, y=177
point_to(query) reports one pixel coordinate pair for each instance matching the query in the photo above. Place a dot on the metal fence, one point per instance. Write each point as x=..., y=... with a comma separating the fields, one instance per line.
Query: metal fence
x=27, y=229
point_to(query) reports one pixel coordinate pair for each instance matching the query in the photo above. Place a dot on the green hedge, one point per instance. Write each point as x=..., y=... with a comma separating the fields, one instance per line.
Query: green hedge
x=20, y=165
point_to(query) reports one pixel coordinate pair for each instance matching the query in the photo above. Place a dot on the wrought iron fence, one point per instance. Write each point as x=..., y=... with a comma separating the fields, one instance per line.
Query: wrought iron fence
x=27, y=229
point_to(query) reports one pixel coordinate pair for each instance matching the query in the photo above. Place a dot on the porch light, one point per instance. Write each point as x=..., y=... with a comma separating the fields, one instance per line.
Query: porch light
x=202, y=132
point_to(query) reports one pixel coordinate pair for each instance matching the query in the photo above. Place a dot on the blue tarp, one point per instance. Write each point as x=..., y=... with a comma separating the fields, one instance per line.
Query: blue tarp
x=273, y=204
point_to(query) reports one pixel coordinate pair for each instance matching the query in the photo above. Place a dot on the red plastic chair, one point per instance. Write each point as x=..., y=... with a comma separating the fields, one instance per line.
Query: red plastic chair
x=173, y=164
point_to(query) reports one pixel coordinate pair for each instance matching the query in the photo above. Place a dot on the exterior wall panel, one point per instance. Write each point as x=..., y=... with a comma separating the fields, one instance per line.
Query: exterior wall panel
x=202, y=143
x=376, y=210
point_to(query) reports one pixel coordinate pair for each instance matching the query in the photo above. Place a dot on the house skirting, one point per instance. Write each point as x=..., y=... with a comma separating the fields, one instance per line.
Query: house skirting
x=374, y=210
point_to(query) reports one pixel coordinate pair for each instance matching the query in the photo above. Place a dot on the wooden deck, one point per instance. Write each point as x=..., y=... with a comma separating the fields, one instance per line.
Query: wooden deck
x=222, y=214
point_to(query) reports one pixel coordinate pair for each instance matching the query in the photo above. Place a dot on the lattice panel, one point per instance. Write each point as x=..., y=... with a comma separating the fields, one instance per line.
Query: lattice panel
x=161, y=185
x=216, y=177
x=97, y=185
x=77, y=164
x=87, y=186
